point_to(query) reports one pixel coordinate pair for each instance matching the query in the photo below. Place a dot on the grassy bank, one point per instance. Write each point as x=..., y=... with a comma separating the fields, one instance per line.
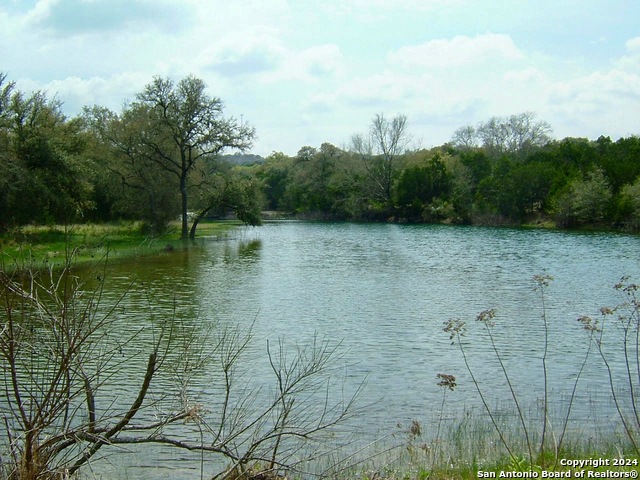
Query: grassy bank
x=49, y=245
x=468, y=448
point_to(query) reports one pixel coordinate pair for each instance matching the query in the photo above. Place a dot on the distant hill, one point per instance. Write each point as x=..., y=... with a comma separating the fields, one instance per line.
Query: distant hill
x=242, y=158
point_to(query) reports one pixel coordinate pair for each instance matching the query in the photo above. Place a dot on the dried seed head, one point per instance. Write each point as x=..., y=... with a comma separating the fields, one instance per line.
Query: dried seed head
x=542, y=280
x=447, y=381
x=589, y=324
x=606, y=311
x=487, y=317
x=455, y=327
x=416, y=428
x=622, y=283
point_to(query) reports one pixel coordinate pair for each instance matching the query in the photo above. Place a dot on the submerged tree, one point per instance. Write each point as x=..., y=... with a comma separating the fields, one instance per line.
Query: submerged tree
x=223, y=188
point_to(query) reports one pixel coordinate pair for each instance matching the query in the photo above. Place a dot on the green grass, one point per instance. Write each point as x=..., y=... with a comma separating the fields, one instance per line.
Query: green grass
x=44, y=246
x=469, y=445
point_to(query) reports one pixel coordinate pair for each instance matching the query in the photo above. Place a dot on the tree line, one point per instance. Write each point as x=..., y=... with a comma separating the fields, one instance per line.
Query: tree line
x=505, y=171
x=161, y=158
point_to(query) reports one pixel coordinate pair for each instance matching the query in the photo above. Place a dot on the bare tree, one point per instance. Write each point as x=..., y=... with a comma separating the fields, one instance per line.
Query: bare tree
x=516, y=134
x=62, y=352
x=465, y=138
x=380, y=151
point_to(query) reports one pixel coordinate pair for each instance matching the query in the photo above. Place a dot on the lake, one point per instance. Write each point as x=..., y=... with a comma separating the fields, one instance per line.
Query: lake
x=383, y=292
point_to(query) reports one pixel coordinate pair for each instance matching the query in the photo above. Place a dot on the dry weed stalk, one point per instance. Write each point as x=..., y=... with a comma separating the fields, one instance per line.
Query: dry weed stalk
x=626, y=319
x=457, y=329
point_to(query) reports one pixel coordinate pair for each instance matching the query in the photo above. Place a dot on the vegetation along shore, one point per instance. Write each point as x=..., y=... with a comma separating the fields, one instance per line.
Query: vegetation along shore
x=171, y=153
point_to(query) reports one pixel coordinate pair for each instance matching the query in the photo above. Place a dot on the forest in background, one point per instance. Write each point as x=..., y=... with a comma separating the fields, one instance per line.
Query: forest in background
x=171, y=153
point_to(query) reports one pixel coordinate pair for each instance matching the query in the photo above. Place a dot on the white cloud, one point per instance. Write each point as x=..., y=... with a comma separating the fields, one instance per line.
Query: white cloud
x=633, y=45
x=382, y=89
x=528, y=75
x=244, y=53
x=261, y=54
x=598, y=91
x=111, y=92
x=90, y=17
x=375, y=10
x=321, y=60
x=460, y=51
x=631, y=59
x=615, y=89
x=304, y=70
x=319, y=63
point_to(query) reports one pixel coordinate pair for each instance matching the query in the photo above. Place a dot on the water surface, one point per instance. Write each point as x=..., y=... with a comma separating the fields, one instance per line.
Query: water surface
x=384, y=292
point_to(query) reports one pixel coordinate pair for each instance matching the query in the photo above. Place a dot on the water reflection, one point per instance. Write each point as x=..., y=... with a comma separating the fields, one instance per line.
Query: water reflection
x=250, y=250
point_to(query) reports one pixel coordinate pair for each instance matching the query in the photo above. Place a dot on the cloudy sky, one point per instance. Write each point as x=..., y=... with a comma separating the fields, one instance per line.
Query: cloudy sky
x=306, y=72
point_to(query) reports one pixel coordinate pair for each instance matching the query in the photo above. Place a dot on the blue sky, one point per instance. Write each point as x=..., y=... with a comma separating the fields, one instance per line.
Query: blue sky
x=308, y=72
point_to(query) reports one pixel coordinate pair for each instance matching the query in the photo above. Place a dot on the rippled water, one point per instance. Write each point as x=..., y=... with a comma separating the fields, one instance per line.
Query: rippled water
x=384, y=291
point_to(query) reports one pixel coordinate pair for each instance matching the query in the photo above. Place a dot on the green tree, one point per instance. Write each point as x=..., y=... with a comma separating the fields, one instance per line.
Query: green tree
x=586, y=201
x=350, y=189
x=462, y=189
x=311, y=188
x=478, y=164
x=224, y=187
x=418, y=186
x=620, y=160
x=275, y=174
x=41, y=160
x=629, y=209
x=131, y=183
x=7, y=167
x=184, y=125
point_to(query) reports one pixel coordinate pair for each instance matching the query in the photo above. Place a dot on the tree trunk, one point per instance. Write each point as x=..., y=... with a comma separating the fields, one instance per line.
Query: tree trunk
x=196, y=221
x=183, y=192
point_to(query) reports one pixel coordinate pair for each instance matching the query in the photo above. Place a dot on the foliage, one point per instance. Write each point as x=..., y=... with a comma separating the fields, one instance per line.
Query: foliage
x=180, y=127
x=587, y=200
x=419, y=186
x=130, y=183
x=224, y=188
x=630, y=205
x=42, y=177
x=274, y=174
x=311, y=186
